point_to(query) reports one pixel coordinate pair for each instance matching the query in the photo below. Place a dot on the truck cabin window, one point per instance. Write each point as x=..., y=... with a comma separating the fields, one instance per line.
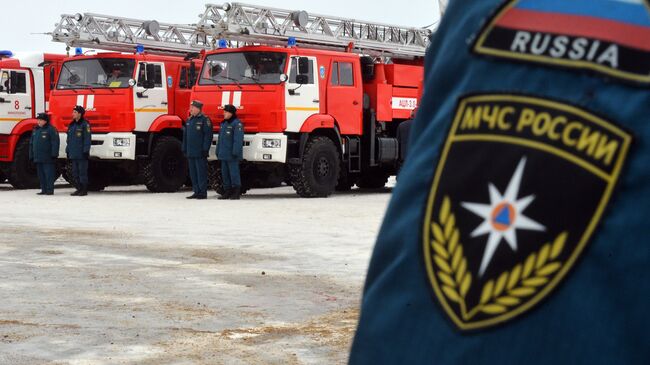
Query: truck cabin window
x=243, y=68
x=96, y=73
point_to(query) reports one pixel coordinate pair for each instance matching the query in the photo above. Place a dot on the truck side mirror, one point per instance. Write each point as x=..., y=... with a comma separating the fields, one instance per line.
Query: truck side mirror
x=150, y=76
x=13, y=82
x=192, y=75
x=302, y=79
x=303, y=66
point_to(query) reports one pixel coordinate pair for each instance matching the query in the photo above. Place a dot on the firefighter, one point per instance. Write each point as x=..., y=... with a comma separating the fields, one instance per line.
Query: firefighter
x=78, y=149
x=230, y=151
x=43, y=151
x=518, y=232
x=197, y=139
x=403, y=134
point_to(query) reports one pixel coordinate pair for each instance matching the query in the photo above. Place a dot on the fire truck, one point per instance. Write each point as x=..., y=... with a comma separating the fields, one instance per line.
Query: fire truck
x=320, y=97
x=135, y=102
x=25, y=84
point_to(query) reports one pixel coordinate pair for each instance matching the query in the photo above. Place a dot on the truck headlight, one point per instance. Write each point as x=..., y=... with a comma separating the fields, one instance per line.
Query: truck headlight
x=121, y=142
x=271, y=143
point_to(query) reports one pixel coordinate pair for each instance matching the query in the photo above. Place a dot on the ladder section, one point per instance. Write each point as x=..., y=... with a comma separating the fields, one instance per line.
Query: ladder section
x=120, y=34
x=265, y=25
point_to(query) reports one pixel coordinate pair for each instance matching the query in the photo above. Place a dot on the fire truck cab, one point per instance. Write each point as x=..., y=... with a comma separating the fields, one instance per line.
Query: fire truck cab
x=321, y=120
x=135, y=104
x=25, y=83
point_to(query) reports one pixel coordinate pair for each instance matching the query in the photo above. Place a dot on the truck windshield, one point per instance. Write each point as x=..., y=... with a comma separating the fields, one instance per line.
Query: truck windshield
x=96, y=73
x=243, y=68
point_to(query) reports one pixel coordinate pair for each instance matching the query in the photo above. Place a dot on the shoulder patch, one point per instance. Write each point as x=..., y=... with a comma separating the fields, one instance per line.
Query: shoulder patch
x=520, y=187
x=608, y=37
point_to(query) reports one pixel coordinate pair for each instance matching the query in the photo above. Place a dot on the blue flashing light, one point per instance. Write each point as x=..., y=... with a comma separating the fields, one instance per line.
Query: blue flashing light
x=5, y=53
x=78, y=51
x=223, y=43
x=292, y=41
x=139, y=49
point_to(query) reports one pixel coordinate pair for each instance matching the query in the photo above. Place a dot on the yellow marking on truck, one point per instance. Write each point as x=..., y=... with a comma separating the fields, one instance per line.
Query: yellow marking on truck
x=302, y=109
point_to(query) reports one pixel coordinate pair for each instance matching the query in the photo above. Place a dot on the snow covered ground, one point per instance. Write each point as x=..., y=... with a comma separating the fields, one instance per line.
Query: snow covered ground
x=128, y=277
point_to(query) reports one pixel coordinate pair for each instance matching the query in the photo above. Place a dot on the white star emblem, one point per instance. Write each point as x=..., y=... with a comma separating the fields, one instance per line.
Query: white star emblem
x=503, y=216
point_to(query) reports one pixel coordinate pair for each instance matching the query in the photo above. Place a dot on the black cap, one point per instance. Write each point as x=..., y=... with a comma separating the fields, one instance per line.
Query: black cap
x=79, y=109
x=197, y=104
x=230, y=109
x=43, y=116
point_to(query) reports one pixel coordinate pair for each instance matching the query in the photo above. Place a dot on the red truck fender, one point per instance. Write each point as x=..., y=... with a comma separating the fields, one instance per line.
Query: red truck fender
x=26, y=125
x=317, y=121
x=166, y=122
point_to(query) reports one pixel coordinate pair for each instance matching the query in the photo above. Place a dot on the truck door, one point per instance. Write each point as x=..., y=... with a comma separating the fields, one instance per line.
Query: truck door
x=302, y=101
x=150, y=94
x=16, y=96
x=344, y=97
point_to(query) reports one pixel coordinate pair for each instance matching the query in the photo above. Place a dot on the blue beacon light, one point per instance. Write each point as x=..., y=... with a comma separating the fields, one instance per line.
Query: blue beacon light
x=223, y=43
x=78, y=51
x=292, y=41
x=139, y=49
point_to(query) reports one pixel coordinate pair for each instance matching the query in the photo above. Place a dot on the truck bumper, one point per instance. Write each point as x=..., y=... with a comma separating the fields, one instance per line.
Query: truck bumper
x=254, y=150
x=103, y=146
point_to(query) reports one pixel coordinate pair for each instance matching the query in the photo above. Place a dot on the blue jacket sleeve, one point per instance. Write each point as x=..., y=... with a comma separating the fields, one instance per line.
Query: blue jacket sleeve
x=87, y=137
x=56, y=142
x=207, y=134
x=238, y=141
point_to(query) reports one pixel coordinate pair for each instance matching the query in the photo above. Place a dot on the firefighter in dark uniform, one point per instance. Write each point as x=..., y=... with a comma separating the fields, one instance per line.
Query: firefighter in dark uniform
x=230, y=146
x=403, y=137
x=43, y=151
x=78, y=149
x=518, y=231
x=197, y=139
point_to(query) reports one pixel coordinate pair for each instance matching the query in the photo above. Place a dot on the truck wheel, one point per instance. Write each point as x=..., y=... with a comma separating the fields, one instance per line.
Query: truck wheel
x=346, y=182
x=22, y=173
x=318, y=173
x=375, y=180
x=99, y=176
x=215, y=181
x=166, y=171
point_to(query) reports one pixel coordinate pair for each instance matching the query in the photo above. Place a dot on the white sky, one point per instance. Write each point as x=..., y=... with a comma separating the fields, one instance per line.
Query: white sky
x=22, y=17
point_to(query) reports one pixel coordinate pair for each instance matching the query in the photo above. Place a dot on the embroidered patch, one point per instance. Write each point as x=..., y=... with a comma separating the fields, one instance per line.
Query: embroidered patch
x=520, y=187
x=609, y=37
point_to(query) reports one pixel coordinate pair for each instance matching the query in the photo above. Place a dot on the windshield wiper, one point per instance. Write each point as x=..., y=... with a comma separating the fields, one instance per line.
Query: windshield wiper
x=233, y=80
x=256, y=81
x=66, y=87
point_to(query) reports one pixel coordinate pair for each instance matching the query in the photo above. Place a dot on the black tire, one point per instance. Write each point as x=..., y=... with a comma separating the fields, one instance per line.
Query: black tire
x=3, y=178
x=98, y=178
x=318, y=174
x=215, y=181
x=375, y=180
x=66, y=172
x=166, y=171
x=346, y=181
x=22, y=172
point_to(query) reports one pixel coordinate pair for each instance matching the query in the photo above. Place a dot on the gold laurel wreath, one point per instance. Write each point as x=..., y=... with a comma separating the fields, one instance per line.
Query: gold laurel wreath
x=498, y=295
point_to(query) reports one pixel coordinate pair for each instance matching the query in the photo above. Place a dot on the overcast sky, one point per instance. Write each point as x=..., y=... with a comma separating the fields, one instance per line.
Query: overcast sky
x=22, y=17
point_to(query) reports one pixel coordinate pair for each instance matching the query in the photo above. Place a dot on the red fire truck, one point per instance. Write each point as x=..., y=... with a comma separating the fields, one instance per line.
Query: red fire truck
x=320, y=97
x=25, y=83
x=135, y=104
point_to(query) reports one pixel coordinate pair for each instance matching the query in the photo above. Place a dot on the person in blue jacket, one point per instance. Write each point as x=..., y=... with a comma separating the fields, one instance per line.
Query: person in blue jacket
x=43, y=151
x=197, y=139
x=518, y=231
x=230, y=151
x=77, y=149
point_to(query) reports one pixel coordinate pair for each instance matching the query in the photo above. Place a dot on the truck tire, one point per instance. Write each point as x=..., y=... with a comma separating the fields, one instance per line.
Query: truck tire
x=3, y=178
x=318, y=173
x=166, y=171
x=375, y=180
x=22, y=172
x=346, y=182
x=215, y=181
